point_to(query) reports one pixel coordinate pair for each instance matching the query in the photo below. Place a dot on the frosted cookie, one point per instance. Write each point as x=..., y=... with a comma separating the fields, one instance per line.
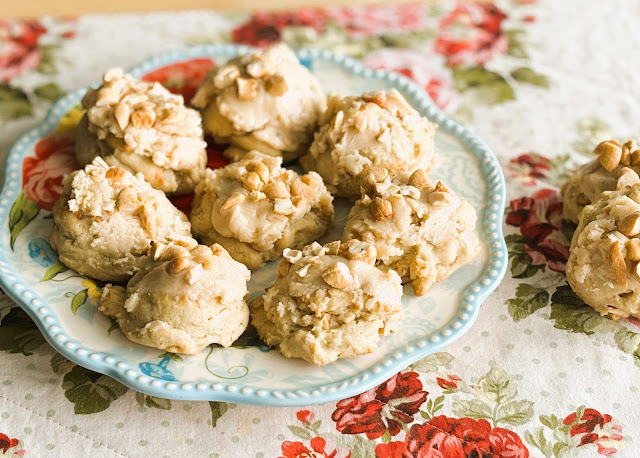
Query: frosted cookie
x=617, y=166
x=605, y=251
x=265, y=101
x=255, y=209
x=328, y=302
x=375, y=129
x=423, y=232
x=144, y=128
x=182, y=300
x=106, y=218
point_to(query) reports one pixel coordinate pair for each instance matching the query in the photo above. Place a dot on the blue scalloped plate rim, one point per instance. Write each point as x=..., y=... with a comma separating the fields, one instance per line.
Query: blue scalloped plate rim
x=130, y=374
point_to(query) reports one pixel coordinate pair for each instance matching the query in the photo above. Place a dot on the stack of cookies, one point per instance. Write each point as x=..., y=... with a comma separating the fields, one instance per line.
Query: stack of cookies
x=140, y=143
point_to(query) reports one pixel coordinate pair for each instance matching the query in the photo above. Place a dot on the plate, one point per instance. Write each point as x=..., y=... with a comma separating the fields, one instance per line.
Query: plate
x=62, y=303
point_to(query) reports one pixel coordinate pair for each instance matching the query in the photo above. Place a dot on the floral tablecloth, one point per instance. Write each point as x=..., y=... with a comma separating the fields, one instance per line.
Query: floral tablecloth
x=539, y=374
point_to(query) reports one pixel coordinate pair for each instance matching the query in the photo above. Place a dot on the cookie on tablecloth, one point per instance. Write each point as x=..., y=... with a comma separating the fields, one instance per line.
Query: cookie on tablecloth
x=617, y=166
x=603, y=266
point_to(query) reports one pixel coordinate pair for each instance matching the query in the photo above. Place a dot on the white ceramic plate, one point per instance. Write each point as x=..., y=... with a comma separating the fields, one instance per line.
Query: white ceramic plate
x=64, y=311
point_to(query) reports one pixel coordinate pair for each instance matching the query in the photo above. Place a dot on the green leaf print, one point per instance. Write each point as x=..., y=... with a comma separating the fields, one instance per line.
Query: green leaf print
x=47, y=59
x=529, y=76
x=146, y=400
x=89, y=391
x=386, y=437
x=486, y=86
x=515, y=413
x=217, y=410
x=432, y=362
x=300, y=432
x=22, y=212
x=79, y=299
x=521, y=266
x=14, y=103
x=570, y=313
x=60, y=364
x=473, y=408
x=516, y=43
x=529, y=298
x=49, y=91
x=496, y=386
x=538, y=439
x=19, y=334
x=54, y=270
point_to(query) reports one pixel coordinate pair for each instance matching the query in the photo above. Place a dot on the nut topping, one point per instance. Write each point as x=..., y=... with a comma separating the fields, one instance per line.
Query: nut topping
x=338, y=276
x=177, y=264
x=378, y=97
x=277, y=190
x=247, y=88
x=234, y=199
x=261, y=169
x=252, y=181
x=226, y=76
x=627, y=177
x=276, y=85
x=617, y=263
x=292, y=256
x=609, y=155
x=356, y=250
x=332, y=248
x=122, y=113
x=143, y=118
x=630, y=225
x=380, y=209
x=633, y=249
x=194, y=274
x=420, y=180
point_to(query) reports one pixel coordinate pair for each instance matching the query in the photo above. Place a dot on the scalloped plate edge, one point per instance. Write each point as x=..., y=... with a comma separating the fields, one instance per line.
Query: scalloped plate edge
x=468, y=309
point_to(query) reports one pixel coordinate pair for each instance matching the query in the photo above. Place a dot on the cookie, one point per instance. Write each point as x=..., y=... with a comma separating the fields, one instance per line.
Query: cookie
x=617, y=166
x=265, y=101
x=255, y=209
x=142, y=127
x=422, y=231
x=375, y=129
x=106, y=219
x=605, y=251
x=328, y=302
x=182, y=299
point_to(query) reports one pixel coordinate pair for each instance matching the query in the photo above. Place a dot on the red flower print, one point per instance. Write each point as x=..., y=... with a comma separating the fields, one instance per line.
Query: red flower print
x=471, y=34
x=425, y=68
x=539, y=220
x=20, y=50
x=182, y=78
x=6, y=443
x=305, y=416
x=530, y=167
x=320, y=448
x=263, y=29
x=42, y=175
x=376, y=20
x=384, y=408
x=595, y=428
x=588, y=421
x=455, y=438
x=450, y=382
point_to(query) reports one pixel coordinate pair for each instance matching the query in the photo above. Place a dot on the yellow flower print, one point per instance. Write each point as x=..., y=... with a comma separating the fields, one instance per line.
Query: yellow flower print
x=93, y=290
